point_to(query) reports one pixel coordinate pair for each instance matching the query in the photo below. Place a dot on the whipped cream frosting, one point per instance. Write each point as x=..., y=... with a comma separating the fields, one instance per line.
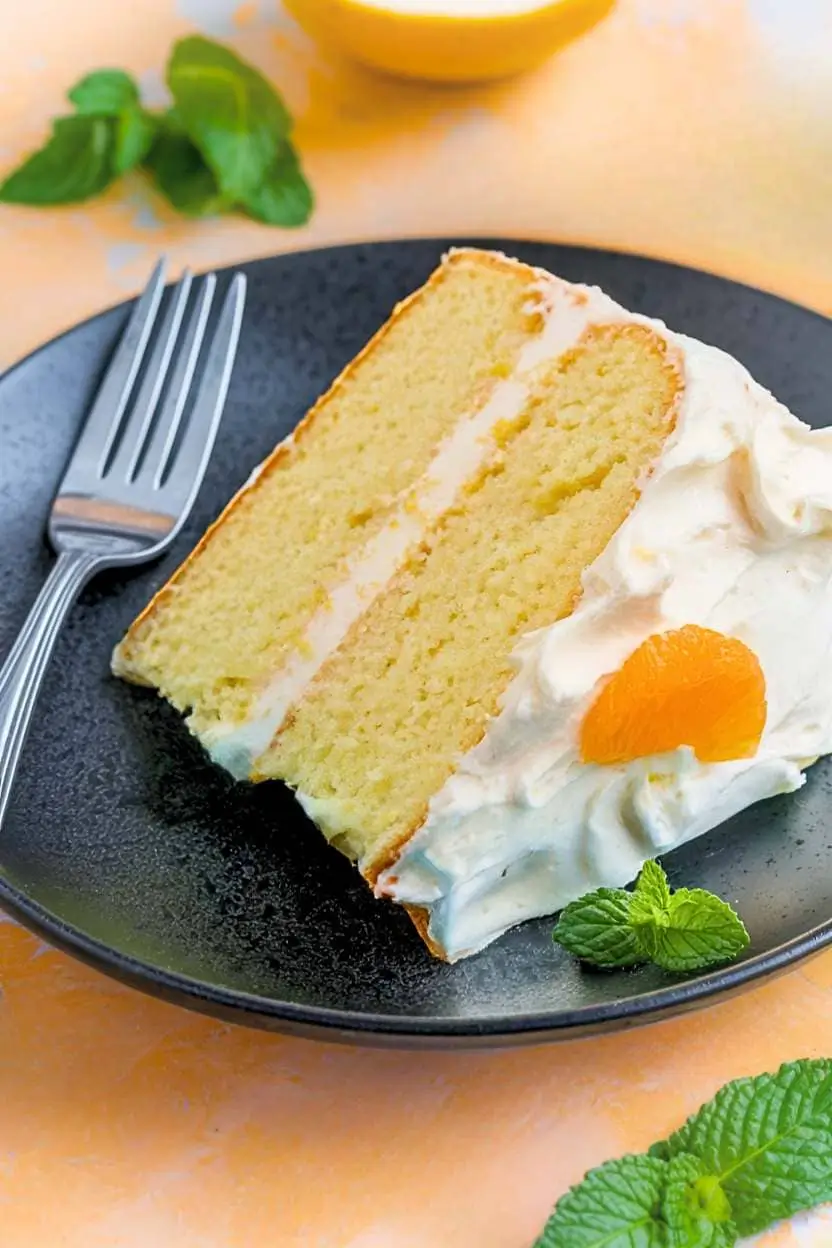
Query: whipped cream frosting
x=733, y=531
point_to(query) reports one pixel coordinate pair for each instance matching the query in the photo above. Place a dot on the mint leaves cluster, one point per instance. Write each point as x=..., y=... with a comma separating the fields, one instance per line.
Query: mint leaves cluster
x=759, y=1152
x=224, y=144
x=685, y=930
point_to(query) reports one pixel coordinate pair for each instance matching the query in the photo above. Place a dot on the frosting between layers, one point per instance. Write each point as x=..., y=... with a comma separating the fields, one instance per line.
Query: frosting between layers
x=566, y=314
x=732, y=531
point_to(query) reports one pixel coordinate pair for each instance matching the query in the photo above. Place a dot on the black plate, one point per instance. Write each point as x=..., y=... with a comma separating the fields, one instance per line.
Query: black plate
x=126, y=847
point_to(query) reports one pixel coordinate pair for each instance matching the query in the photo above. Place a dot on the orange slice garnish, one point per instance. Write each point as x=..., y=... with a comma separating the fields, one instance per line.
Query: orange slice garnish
x=689, y=686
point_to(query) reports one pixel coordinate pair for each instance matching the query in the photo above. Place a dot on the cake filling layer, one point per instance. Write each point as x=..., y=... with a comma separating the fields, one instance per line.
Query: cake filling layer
x=732, y=532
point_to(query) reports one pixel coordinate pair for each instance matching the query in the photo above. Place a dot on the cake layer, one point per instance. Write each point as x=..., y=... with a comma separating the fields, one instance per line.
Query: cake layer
x=416, y=680
x=327, y=500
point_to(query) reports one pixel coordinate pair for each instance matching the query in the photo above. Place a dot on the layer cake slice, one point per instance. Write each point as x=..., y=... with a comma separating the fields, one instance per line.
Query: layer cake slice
x=411, y=609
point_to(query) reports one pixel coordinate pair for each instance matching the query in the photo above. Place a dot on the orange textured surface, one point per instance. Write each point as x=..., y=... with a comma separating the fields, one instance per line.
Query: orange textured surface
x=689, y=686
x=699, y=130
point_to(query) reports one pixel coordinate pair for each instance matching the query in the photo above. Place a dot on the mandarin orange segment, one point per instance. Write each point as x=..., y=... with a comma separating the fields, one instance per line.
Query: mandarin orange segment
x=689, y=686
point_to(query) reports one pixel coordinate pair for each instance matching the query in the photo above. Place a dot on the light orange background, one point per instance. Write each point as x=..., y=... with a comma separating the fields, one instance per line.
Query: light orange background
x=699, y=130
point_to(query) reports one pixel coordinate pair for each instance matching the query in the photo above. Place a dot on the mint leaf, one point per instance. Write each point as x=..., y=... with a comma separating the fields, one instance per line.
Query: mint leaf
x=76, y=163
x=223, y=144
x=182, y=176
x=104, y=93
x=284, y=197
x=597, y=929
x=616, y=1206
x=698, y=930
x=135, y=132
x=682, y=931
x=695, y=1207
x=229, y=110
x=759, y=1152
x=767, y=1141
x=652, y=890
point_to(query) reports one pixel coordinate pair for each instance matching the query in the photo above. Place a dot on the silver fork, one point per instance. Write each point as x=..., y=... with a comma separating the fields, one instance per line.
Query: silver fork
x=134, y=473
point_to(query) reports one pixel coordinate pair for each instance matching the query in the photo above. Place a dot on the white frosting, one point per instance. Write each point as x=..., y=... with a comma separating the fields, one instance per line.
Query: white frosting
x=733, y=531
x=566, y=312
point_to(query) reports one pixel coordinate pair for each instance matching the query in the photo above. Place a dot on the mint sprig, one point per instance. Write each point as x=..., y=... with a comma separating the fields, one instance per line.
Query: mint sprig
x=760, y=1151
x=681, y=931
x=223, y=145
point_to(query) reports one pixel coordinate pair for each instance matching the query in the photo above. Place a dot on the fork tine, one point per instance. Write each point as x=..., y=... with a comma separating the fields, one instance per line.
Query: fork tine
x=110, y=402
x=164, y=434
x=203, y=420
x=143, y=408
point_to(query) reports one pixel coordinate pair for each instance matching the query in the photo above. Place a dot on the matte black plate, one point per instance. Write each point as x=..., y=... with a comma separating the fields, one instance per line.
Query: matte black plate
x=126, y=847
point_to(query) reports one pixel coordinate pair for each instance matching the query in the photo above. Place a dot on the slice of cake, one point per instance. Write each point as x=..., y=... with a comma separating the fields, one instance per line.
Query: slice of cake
x=537, y=590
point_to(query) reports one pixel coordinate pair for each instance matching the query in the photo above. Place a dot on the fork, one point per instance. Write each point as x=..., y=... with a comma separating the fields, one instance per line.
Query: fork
x=133, y=475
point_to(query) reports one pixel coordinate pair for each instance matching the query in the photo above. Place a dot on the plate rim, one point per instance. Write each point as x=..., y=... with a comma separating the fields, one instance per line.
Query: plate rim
x=356, y=1026
x=326, y=1023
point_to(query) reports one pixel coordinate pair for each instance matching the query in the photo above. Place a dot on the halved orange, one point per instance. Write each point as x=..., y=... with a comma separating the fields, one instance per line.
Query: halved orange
x=689, y=686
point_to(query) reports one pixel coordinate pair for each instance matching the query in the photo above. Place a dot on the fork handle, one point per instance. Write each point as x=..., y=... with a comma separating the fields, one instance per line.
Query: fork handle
x=22, y=673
